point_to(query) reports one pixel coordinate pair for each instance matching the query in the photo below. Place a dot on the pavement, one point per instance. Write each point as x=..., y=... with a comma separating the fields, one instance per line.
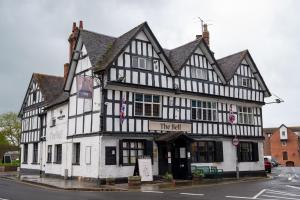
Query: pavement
x=283, y=184
x=78, y=185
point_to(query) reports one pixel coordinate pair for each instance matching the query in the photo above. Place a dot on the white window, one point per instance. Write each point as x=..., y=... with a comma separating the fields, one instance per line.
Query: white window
x=245, y=115
x=244, y=82
x=204, y=110
x=53, y=120
x=141, y=63
x=199, y=73
x=147, y=105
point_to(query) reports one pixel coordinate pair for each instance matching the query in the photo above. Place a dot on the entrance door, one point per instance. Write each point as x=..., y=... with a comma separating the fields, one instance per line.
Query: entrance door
x=179, y=160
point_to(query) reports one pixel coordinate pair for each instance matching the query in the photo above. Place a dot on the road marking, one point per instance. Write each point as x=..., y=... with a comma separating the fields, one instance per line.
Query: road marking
x=237, y=197
x=265, y=195
x=293, y=187
x=150, y=191
x=3, y=199
x=257, y=195
x=281, y=193
x=192, y=194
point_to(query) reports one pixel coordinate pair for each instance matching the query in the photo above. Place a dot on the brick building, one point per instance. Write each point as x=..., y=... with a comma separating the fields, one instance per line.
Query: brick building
x=283, y=144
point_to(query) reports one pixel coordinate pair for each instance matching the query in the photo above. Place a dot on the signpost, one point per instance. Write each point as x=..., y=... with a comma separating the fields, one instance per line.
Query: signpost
x=235, y=142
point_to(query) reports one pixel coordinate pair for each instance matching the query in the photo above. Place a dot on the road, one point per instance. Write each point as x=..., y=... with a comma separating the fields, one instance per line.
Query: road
x=284, y=184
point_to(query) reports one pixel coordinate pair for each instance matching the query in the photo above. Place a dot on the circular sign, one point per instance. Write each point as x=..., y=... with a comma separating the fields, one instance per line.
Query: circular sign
x=235, y=141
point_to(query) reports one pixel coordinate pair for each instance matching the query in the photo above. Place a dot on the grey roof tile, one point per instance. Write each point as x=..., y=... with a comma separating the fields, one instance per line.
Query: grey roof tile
x=229, y=64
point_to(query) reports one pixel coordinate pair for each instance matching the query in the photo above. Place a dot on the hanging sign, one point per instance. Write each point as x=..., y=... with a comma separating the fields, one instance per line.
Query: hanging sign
x=232, y=116
x=84, y=87
x=122, y=110
x=235, y=141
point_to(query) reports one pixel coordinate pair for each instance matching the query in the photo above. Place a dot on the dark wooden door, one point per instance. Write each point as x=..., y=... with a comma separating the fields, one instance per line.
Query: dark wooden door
x=179, y=160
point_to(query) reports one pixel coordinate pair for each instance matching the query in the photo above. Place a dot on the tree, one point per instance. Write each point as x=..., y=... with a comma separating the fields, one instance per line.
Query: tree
x=10, y=128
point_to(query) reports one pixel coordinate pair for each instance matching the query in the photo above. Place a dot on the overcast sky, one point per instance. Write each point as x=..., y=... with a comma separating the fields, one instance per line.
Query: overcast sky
x=33, y=38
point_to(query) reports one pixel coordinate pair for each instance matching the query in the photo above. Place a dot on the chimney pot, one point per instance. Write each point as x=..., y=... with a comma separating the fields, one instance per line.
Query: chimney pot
x=205, y=34
x=80, y=24
x=66, y=71
x=74, y=26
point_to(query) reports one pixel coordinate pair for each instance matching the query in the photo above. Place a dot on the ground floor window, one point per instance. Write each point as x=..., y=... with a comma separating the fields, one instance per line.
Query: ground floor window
x=76, y=153
x=25, y=153
x=247, y=152
x=130, y=150
x=58, y=153
x=207, y=151
x=285, y=155
x=49, y=154
x=110, y=156
x=35, y=152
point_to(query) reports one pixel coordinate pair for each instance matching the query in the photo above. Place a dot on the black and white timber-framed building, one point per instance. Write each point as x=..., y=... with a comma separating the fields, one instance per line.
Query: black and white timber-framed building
x=177, y=104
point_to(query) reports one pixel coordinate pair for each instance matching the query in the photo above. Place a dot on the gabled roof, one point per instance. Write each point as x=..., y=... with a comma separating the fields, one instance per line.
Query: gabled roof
x=96, y=45
x=273, y=129
x=50, y=86
x=180, y=55
x=230, y=64
x=115, y=48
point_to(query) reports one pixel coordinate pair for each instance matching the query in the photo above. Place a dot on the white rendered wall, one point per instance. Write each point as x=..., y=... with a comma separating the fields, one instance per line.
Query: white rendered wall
x=57, y=135
x=117, y=170
x=229, y=154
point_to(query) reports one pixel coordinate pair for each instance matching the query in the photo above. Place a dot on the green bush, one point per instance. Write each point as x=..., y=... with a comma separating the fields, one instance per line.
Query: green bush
x=168, y=176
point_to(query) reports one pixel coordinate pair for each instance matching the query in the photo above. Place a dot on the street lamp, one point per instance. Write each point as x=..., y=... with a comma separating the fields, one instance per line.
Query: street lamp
x=277, y=100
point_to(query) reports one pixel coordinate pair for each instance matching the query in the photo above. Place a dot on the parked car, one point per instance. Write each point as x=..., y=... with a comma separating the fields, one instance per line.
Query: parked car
x=268, y=165
x=272, y=160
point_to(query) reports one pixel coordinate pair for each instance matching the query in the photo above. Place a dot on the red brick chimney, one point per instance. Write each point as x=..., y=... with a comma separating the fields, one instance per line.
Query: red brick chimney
x=205, y=34
x=66, y=71
x=73, y=37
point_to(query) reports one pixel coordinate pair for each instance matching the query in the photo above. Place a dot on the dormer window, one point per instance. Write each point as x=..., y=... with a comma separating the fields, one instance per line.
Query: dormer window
x=199, y=73
x=141, y=63
x=245, y=82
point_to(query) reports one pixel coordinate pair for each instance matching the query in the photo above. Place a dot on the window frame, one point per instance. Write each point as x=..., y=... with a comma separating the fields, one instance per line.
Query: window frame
x=242, y=115
x=25, y=154
x=243, y=80
x=76, y=154
x=58, y=154
x=206, y=152
x=130, y=149
x=195, y=73
x=145, y=60
x=49, y=154
x=285, y=155
x=35, y=153
x=144, y=103
x=251, y=154
x=205, y=110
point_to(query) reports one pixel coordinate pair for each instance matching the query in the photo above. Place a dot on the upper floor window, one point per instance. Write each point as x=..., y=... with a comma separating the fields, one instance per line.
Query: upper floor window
x=53, y=120
x=204, y=110
x=141, y=63
x=283, y=133
x=244, y=82
x=147, y=105
x=199, y=73
x=245, y=115
x=34, y=96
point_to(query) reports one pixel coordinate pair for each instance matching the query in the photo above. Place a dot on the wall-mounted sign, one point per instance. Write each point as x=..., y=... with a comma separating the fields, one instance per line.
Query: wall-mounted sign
x=232, y=117
x=169, y=126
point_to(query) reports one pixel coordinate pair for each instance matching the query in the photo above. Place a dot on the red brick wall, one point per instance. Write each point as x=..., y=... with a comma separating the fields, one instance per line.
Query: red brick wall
x=292, y=147
x=267, y=146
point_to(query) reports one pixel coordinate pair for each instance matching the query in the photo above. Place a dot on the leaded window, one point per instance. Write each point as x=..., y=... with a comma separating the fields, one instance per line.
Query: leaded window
x=147, y=105
x=204, y=110
x=49, y=154
x=131, y=150
x=141, y=63
x=199, y=73
x=245, y=115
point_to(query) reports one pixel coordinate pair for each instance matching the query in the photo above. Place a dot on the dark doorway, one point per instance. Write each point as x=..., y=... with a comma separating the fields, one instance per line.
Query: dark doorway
x=174, y=154
x=179, y=159
x=289, y=164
